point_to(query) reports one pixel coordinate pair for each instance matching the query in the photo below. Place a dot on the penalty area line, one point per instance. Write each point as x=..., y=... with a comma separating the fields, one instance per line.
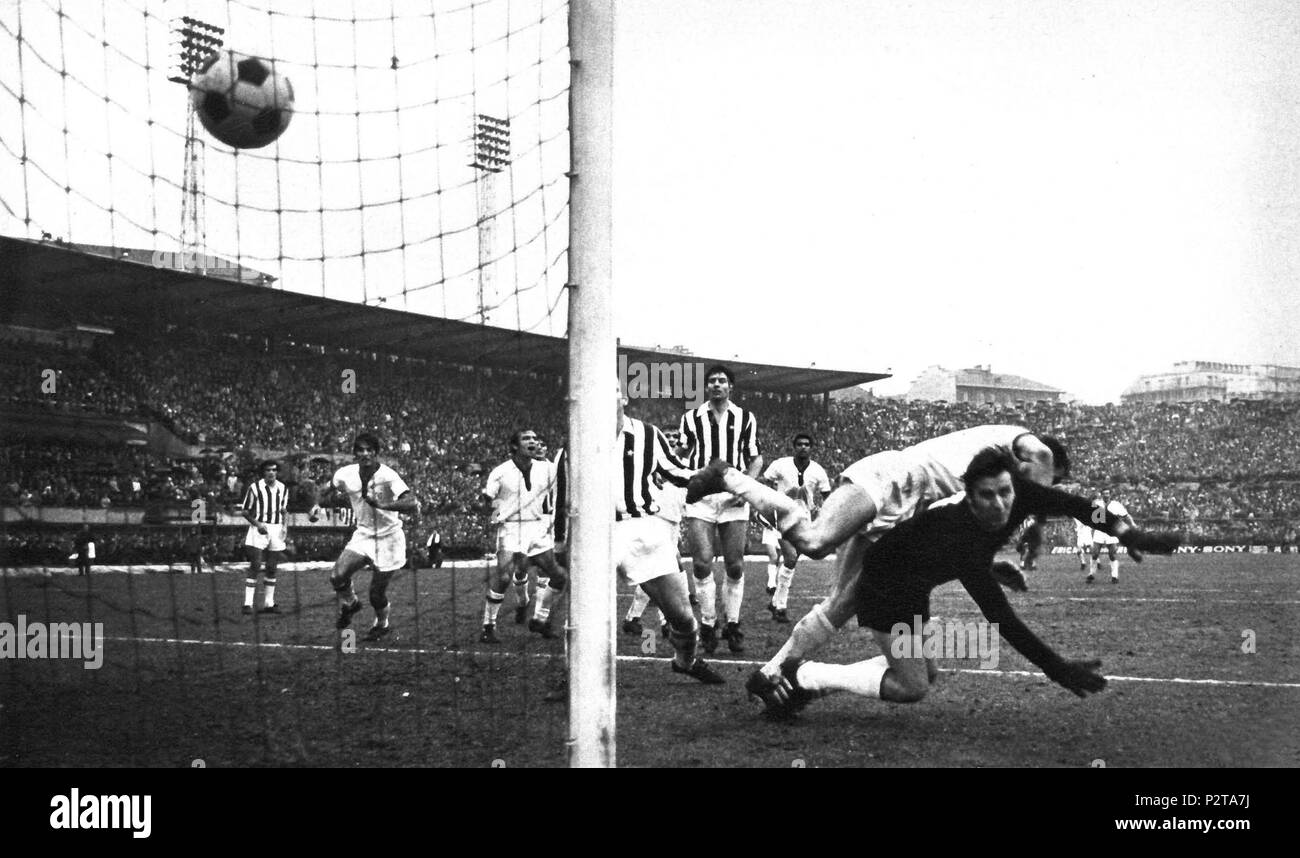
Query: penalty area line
x=1030, y=674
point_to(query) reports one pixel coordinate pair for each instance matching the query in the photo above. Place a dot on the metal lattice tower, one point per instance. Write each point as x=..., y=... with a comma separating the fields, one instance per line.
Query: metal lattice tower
x=491, y=156
x=198, y=40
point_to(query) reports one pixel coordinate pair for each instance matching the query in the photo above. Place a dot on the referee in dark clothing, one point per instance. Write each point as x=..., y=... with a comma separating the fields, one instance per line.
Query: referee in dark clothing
x=85, y=550
x=954, y=540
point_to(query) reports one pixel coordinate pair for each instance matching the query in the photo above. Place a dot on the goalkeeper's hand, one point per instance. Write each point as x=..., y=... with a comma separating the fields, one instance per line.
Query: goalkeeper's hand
x=1081, y=677
x=1009, y=575
x=1149, y=542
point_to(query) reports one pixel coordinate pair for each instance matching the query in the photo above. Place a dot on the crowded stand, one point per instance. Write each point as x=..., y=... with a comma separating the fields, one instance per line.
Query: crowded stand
x=1216, y=470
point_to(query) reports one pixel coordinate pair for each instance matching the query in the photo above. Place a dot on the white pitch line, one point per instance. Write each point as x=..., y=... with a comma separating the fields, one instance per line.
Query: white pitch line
x=648, y=658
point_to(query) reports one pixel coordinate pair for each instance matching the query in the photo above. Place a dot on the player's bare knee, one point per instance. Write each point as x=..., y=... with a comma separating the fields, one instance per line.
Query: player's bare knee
x=557, y=580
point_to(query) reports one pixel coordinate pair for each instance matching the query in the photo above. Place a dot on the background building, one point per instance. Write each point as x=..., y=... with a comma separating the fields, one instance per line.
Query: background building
x=1199, y=381
x=979, y=384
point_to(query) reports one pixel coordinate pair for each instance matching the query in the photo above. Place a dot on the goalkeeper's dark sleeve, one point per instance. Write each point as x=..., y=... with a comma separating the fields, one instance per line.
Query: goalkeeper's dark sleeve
x=996, y=609
x=1048, y=501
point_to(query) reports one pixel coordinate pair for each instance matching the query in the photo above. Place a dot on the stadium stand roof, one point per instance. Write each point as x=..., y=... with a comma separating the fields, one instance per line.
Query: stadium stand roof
x=84, y=284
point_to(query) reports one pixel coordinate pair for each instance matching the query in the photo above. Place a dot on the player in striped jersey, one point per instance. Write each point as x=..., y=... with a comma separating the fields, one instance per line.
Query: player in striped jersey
x=672, y=506
x=720, y=431
x=377, y=495
x=519, y=491
x=266, y=509
x=645, y=542
x=874, y=494
x=798, y=477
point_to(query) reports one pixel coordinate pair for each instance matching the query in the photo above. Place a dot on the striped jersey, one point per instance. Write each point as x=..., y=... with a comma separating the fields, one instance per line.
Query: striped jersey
x=733, y=438
x=642, y=452
x=268, y=504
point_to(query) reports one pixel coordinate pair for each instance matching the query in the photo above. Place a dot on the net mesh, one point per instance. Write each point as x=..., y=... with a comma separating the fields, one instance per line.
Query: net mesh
x=423, y=170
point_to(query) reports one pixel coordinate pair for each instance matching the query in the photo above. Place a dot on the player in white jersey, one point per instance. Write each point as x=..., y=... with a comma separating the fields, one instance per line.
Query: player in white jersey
x=722, y=431
x=266, y=509
x=874, y=494
x=1101, y=539
x=521, y=492
x=378, y=497
x=800, y=478
x=1082, y=543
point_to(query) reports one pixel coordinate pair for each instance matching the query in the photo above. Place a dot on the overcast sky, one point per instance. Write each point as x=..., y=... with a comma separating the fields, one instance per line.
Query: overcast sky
x=1072, y=191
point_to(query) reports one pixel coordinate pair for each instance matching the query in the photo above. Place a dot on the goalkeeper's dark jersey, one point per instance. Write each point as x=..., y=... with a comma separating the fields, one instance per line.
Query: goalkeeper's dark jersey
x=945, y=543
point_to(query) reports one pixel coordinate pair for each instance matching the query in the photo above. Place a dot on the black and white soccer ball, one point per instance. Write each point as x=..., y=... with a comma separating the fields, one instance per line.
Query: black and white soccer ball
x=241, y=100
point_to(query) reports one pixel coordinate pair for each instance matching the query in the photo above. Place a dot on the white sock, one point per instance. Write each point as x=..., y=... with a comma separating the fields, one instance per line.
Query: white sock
x=492, y=607
x=733, y=595
x=1092, y=567
x=808, y=635
x=268, y=594
x=771, y=576
x=640, y=599
x=782, y=595
x=707, y=592
x=785, y=511
x=381, y=616
x=250, y=587
x=1114, y=568
x=862, y=678
x=545, y=598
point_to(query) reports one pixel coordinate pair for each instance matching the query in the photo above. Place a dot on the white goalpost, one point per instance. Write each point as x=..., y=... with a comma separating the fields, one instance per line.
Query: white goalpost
x=592, y=349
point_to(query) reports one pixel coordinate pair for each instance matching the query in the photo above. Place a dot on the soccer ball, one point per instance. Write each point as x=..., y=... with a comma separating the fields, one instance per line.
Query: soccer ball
x=241, y=100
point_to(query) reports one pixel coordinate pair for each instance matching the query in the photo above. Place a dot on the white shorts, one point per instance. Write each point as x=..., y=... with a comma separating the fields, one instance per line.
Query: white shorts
x=1103, y=539
x=771, y=537
x=525, y=537
x=645, y=549
x=387, y=553
x=718, y=509
x=272, y=541
x=1083, y=540
x=896, y=486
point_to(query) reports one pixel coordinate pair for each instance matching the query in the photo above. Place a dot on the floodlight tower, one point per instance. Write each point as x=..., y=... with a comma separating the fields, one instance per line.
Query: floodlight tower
x=491, y=156
x=198, y=39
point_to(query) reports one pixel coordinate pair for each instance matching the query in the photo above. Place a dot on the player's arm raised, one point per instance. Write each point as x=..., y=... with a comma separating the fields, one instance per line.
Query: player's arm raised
x=1080, y=677
x=1047, y=501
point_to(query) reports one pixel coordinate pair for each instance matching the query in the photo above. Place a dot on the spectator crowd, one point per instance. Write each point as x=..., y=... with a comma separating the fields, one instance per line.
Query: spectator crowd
x=1212, y=468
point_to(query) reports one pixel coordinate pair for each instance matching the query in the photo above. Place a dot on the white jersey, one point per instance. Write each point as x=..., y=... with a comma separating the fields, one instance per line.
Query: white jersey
x=385, y=486
x=1116, y=509
x=945, y=459
x=1082, y=533
x=518, y=497
x=786, y=475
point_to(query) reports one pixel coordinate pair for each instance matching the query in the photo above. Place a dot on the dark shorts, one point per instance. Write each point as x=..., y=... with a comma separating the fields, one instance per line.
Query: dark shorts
x=881, y=605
